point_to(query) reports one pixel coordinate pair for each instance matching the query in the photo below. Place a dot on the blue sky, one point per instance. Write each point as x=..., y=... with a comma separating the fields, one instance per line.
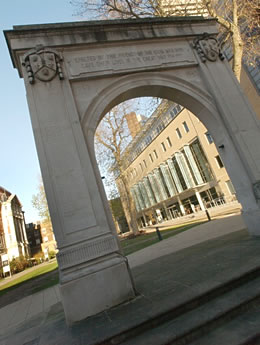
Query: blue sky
x=19, y=163
x=20, y=169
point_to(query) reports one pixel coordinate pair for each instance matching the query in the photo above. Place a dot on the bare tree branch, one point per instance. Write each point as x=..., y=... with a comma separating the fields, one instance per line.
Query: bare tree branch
x=238, y=19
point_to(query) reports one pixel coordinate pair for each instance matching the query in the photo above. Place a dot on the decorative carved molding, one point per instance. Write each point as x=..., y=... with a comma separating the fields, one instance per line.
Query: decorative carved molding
x=208, y=48
x=43, y=64
x=256, y=189
x=87, y=251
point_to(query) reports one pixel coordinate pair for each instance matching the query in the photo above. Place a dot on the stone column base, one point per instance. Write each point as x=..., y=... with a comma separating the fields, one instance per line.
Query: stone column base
x=100, y=287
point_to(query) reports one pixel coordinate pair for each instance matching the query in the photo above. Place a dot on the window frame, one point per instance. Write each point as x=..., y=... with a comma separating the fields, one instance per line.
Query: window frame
x=220, y=164
x=178, y=133
x=163, y=147
x=185, y=127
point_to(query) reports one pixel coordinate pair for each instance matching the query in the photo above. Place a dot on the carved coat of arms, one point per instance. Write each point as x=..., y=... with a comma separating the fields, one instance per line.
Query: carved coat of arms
x=43, y=64
x=208, y=48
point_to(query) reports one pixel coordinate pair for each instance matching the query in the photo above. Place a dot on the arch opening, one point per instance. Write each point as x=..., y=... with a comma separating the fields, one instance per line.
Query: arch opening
x=99, y=67
x=171, y=166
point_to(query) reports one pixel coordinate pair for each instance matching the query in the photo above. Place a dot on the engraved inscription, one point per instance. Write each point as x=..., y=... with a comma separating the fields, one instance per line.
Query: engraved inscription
x=125, y=58
x=86, y=252
x=112, y=60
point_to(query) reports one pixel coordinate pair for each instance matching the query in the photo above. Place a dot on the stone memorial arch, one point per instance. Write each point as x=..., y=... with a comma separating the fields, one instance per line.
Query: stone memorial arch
x=74, y=73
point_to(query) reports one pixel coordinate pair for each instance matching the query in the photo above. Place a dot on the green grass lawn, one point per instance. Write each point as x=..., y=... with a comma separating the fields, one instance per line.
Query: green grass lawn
x=129, y=246
x=39, y=271
x=132, y=245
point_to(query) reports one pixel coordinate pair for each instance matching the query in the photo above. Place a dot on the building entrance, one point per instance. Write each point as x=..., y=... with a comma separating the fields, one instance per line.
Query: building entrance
x=74, y=73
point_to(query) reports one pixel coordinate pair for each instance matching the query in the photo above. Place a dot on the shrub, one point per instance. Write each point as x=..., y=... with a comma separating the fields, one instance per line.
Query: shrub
x=39, y=257
x=52, y=254
x=19, y=264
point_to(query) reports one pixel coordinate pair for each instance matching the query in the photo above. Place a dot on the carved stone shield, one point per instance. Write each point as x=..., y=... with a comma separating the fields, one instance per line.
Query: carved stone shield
x=43, y=65
x=210, y=48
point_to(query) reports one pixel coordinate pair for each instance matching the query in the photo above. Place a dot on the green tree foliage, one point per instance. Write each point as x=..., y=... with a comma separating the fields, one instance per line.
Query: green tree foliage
x=39, y=202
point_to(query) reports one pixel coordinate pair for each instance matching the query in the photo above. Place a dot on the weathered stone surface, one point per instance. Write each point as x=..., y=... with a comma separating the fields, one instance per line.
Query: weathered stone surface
x=103, y=64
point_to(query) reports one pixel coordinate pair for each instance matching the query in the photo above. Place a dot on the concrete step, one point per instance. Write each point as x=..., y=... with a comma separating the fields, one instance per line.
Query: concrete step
x=186, y=322
x=244, y=329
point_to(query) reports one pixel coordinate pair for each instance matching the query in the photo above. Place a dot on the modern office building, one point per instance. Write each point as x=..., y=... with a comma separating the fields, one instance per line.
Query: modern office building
x=13, y=238
x=174, y=168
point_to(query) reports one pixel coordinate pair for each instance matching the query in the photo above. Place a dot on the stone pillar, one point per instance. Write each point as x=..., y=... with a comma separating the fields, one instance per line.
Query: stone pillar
x=237, y=137
x=200, y=201
x=181, y=206
x=168, y=214
x=93, y=274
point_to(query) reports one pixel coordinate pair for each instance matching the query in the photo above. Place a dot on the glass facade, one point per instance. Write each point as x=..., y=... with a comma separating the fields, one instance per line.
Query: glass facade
x=187, y=176
x=139, y=196
x=168, y=179
x=185, y=170
x=201, y=161
x=175, y=175
x=192, y=164
x=137, y=205
x=149, y=190
x=144, y=195
x=142, y=141
x=155, y=188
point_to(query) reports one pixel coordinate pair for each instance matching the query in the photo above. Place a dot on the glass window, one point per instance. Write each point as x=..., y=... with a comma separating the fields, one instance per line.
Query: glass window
x=185, y=126
x=141, y=167
x=5, y=263
x=163, y=146
x=201, y=161
x=230, y=187
x=178, y=132
x=213, y=193
x=155, y=154
x=209, y=138
x=219, y=162
x=179, y=173
x=144, y=161
x=151, y=157
x=169, y=141
x=149, y=190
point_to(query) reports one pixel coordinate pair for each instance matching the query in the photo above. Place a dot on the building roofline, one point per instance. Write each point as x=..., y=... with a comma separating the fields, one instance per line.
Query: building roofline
x=109, y=22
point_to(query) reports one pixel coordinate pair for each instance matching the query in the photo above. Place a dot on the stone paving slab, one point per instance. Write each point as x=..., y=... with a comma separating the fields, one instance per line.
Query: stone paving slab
x=161, y=283
x=201, y=233
x=219, y=252
x=27, y=308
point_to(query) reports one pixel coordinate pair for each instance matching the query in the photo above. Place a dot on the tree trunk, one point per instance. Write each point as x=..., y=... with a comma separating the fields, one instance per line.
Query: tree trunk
x=237, y=53
x=128, y=205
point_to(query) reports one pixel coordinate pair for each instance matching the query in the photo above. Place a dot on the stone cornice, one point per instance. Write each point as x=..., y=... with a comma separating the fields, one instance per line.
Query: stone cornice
x=65, y=35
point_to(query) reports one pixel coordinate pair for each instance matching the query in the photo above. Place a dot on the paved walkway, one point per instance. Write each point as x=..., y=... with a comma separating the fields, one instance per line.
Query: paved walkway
x=201, y=233
x=26, y=308
x=39, y=319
